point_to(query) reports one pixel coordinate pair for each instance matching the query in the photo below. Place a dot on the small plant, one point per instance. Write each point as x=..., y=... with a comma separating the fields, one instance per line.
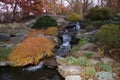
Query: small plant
x=106, y=67
x=101, y=52
x=31, y=50
x=89, y=55
x=75, y=48
x=4, y=52
x=74, y=16
x=89, y=72
x=44, y=22
x=82, y=42
x=71, y=60
x=81, y=61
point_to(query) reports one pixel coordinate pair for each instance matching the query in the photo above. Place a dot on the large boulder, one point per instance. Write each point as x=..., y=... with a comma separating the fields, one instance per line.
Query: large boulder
x=69, y=70
x=4, y=37
x=73, y=77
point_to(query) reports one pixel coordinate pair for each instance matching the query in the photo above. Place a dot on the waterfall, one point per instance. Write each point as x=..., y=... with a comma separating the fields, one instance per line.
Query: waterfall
x=66, y=40
x=77, y=26
x=34, y=68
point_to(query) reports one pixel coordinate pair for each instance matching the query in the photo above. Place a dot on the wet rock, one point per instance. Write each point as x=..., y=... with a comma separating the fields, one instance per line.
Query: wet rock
x=89, y=47
x=4, y=63
x=69, y=70
x=18, y=39
x=71, y=25
x=104, y=75
x=73, y=77
x=4, y=37
x=50, y=62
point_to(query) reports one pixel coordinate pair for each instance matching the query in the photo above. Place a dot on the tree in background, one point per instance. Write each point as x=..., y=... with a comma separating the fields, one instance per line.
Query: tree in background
x=19, y=8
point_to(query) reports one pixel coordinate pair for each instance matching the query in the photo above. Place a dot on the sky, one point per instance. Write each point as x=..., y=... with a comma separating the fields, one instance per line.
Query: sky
x=66, y=3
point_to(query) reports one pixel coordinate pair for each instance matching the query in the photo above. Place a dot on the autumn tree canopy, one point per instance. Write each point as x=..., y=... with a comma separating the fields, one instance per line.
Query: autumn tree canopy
x=19, y=8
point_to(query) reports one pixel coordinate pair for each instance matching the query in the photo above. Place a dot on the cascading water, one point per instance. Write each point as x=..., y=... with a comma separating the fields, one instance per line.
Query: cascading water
x=77, y=26
x=66, y=40
x=34, y=68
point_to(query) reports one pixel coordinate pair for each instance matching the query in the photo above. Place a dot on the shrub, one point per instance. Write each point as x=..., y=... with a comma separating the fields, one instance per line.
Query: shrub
x=4, y=52
x=34, y=32
x=31, y=50
x=74, y=16
x=51, y=31
x=44, y=22
x=97, y=13
x=109, y=36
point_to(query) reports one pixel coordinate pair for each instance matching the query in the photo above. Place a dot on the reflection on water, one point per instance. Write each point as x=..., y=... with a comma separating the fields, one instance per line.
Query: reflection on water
x=8, y=73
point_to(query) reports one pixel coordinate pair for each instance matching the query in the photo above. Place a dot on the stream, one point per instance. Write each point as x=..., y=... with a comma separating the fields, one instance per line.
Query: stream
x=44, y=73
x=39, y=72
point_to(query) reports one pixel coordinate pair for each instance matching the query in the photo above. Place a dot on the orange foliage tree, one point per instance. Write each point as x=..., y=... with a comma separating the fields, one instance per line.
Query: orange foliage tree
x=31, y=50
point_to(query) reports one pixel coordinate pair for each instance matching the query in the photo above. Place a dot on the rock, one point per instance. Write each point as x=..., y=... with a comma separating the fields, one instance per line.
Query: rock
x=94, y=61
x=8, y=45
x=62, y=22
x=73, y=77
x=4, y=63
x=80, y=33
x=90, y=79
x=4, y=37
x=91, y=33
x=50, y=62
x=104, y=75
x=61, y=61
x=69, y=70
x=89, y=47
x=83, y=53
x=40, y=35
x=107, y=60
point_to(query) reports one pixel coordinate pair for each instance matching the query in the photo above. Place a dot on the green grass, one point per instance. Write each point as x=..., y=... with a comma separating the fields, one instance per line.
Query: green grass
x=4, y=52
